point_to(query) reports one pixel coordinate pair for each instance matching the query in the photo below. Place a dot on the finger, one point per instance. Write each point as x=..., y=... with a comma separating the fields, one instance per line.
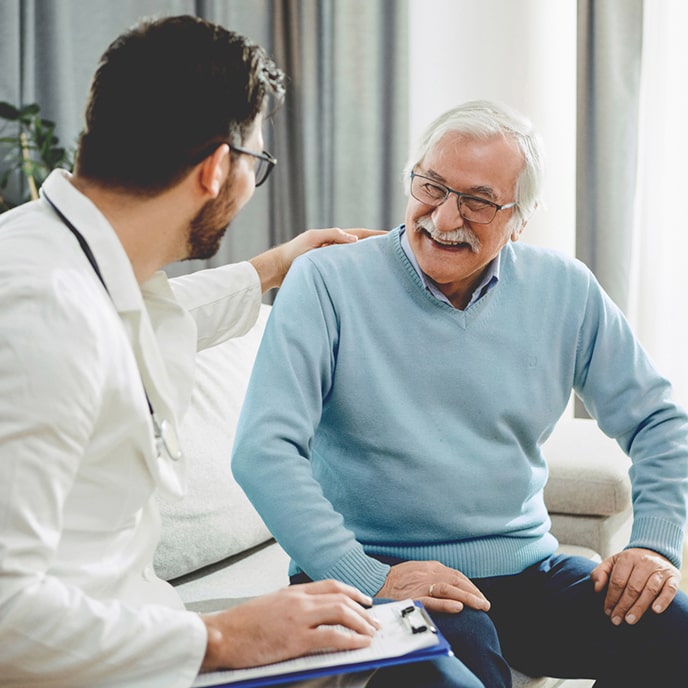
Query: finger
x=332, y=610
x=362, y=233
x=333, y=586
x=334, y=638
x=652, y=590
x=468, y=594
x=666, y=596
x=468, y=599
x=600, y=576
x=631, y=595
x=618, y=579
x=467, y=585
x=464, y=589
x=436, y=604
x=331, y=235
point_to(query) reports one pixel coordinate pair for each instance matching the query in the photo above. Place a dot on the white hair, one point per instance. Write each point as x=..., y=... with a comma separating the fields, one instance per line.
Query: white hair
x=484, y=119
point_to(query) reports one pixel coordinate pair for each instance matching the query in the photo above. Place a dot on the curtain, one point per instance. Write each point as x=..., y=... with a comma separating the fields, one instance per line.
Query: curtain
x=632, y=148
x=609, y=58
x=632, y=144
x=340, y=138
x=659, y=275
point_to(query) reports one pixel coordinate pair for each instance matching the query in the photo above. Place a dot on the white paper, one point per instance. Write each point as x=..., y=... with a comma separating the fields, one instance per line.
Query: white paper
x=393, y=639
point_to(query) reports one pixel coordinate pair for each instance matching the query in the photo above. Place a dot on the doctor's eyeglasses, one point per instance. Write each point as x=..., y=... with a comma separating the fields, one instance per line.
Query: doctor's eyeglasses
x=264, y=162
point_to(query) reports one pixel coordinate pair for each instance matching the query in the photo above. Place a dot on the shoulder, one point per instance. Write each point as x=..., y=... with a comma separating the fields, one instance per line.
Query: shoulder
x=528, y=261
x=345, y=262
x=55, y=313
x=32, y=237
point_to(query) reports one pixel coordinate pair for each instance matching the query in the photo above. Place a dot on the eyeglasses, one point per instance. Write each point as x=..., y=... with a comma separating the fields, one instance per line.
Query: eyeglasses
x=264, y=162
x=472, y=208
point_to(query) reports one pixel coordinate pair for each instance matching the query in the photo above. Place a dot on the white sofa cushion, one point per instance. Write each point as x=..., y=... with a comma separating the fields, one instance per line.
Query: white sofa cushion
x=588, y=471
x=215, y=520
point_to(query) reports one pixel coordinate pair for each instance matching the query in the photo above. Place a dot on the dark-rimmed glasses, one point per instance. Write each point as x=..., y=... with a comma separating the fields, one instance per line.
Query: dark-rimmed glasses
x=264, y=162
x=472, y=208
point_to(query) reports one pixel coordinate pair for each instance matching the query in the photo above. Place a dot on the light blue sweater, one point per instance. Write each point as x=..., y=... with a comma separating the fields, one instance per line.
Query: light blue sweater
x=380, y=420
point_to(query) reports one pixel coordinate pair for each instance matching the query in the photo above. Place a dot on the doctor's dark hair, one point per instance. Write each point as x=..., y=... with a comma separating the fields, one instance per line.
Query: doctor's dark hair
x=165, y=95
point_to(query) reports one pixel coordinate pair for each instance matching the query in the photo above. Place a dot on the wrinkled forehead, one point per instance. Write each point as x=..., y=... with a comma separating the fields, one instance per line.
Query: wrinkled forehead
x=496, y=159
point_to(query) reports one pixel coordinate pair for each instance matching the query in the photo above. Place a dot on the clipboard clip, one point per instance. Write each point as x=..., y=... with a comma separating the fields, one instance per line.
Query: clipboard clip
x=417, y=619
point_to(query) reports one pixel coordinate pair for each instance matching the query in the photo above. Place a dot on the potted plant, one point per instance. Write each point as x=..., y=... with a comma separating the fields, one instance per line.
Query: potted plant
x=33, y=150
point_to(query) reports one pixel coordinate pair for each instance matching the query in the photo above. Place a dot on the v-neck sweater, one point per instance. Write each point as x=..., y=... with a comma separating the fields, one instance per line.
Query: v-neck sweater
x=380, y=420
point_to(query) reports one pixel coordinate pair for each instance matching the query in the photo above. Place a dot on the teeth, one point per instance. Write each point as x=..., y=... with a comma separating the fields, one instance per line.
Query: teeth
x=448, y=243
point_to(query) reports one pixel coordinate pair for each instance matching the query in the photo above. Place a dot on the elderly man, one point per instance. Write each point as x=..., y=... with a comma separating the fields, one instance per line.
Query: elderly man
x=96, y=368
x=392, y=431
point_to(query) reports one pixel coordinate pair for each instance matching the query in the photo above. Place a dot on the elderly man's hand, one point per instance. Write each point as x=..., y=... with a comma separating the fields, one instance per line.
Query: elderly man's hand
x=636, y=580
x=438, y=587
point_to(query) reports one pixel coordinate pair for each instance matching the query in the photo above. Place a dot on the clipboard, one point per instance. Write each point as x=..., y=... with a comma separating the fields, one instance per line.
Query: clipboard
x=408, y=634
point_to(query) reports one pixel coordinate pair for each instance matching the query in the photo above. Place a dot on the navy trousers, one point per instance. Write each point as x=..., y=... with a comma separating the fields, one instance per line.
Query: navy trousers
x=549, y=621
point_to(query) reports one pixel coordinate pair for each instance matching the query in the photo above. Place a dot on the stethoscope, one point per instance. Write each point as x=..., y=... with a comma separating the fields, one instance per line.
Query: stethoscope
x=165, y=435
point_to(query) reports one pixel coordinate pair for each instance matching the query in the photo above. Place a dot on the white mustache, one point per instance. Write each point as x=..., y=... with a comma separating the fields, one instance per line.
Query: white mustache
x=461, y=235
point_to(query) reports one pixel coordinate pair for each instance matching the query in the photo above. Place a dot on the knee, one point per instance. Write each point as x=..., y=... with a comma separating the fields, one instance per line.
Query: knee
x=469, y=628
x=473, y=637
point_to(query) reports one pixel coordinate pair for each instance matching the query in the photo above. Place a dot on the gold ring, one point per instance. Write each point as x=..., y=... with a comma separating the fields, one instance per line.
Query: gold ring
x=432, y=587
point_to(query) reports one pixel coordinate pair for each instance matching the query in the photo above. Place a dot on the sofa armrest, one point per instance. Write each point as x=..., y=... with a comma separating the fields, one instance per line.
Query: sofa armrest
x=588, y=472
x=588, y=493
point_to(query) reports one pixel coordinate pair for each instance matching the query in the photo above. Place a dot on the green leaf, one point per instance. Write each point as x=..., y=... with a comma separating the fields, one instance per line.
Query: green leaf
x=8, y=112
x=31, y=109
x=54, y=157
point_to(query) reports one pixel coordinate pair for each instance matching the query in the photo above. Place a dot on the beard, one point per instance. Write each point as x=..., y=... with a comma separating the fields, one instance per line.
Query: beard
x=210, y=225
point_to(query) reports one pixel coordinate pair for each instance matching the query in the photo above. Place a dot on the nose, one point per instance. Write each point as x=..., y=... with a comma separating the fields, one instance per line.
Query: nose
x=447, y=216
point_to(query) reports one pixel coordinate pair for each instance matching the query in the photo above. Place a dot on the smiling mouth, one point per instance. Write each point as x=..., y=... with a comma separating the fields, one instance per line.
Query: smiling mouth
x=443, y=243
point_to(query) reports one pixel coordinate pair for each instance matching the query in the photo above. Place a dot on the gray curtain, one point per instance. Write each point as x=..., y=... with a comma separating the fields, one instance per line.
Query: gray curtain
x=610, y=36
x=609, y=60
x=340, y=138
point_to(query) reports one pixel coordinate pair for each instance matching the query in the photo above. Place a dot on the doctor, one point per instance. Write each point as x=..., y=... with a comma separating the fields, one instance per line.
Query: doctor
x=96, y=367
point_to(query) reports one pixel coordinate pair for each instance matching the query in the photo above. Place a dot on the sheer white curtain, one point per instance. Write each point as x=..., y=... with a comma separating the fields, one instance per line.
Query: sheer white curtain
x=521, y=53
x=659, y=283
x=660, y=275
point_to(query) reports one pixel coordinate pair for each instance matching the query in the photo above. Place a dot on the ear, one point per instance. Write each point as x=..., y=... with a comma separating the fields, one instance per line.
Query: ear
x=516, y=234
x=213, y=171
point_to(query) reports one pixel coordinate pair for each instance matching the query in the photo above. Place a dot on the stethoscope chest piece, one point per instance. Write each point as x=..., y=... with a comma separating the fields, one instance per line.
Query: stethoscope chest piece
x=167, y=439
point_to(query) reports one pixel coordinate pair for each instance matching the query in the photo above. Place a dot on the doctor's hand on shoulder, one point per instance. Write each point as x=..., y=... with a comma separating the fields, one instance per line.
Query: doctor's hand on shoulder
x=288, y=623
x=273, y=265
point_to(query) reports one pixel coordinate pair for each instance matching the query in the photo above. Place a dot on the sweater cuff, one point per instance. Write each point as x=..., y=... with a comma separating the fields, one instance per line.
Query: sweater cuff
x=659, y=535
x=361, y=571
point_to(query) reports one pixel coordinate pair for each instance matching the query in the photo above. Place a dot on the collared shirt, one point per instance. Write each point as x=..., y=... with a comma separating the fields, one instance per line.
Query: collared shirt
x=489, y=280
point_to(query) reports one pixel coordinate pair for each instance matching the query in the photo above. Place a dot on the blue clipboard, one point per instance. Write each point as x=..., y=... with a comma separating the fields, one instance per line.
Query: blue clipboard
x=440, y=649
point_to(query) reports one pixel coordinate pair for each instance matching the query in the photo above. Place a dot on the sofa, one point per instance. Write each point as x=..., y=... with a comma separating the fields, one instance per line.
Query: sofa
x=214, y=546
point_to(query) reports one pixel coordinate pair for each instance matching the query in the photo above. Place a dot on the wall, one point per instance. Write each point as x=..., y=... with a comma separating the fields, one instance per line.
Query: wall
x=521, y=52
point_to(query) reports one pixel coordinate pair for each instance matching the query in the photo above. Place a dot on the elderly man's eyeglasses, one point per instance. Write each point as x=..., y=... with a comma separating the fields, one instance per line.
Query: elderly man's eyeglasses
x=472, y=208
x=263, y=162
